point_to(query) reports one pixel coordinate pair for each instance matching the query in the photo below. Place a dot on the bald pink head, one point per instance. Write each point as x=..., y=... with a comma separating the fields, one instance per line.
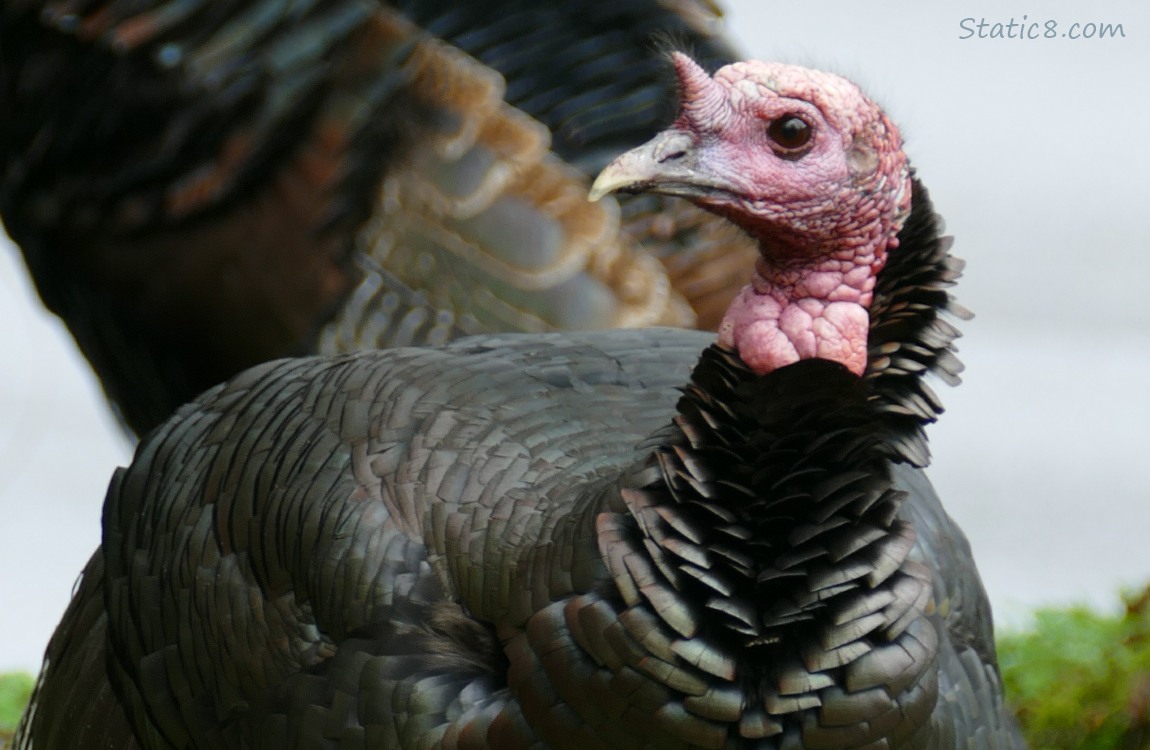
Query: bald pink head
x=813, y=170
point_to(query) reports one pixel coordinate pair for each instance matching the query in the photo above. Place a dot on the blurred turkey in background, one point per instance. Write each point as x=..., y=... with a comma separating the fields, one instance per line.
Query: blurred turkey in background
x=1027, y=149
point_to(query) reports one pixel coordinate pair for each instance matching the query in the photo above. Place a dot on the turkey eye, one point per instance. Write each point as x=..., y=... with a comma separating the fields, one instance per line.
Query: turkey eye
x=789, y=132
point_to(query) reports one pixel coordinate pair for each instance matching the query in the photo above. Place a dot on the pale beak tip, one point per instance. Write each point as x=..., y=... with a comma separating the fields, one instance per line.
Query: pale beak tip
x=625, y=172
x=601, y=186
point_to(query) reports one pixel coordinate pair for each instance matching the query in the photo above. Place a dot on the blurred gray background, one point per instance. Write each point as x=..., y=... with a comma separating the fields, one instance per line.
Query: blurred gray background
x=1035, y=151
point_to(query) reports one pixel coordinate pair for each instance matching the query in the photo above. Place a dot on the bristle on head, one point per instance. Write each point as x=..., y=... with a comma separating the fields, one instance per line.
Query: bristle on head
x=702, y=100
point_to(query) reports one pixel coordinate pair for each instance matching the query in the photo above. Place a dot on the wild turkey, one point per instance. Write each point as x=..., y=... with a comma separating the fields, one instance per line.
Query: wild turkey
x=547, y=540
x=201, y=186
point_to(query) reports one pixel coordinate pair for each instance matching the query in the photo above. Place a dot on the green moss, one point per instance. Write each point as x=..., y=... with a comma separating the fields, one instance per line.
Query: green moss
x=15, y=690
x=1080, y=680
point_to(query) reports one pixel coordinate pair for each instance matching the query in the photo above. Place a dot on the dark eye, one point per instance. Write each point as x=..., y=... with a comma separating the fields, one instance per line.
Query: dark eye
x=789, y=133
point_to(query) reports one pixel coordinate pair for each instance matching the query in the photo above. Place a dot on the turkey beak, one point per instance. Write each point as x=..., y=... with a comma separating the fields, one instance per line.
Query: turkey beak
x=668, y=164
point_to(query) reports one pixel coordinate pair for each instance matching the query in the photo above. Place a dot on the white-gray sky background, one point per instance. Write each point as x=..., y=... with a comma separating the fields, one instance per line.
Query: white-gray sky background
x=1037, y=153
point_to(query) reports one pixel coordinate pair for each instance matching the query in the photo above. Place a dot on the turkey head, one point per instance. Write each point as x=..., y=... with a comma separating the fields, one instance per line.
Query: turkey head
x=813, y=171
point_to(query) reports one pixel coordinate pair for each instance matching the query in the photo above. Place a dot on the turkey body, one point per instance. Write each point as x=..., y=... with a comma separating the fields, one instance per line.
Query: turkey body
x=414, y=561
x=198, y=187
x=542, y=541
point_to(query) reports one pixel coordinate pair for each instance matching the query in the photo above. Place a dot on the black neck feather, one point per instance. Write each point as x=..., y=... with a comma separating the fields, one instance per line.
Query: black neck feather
x=764, y=538
x=909, y=335
x=770, y=501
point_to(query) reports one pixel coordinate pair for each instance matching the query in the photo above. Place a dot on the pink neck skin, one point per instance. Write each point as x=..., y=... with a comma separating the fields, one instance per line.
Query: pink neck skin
x=796, y=311
x=824, y=222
